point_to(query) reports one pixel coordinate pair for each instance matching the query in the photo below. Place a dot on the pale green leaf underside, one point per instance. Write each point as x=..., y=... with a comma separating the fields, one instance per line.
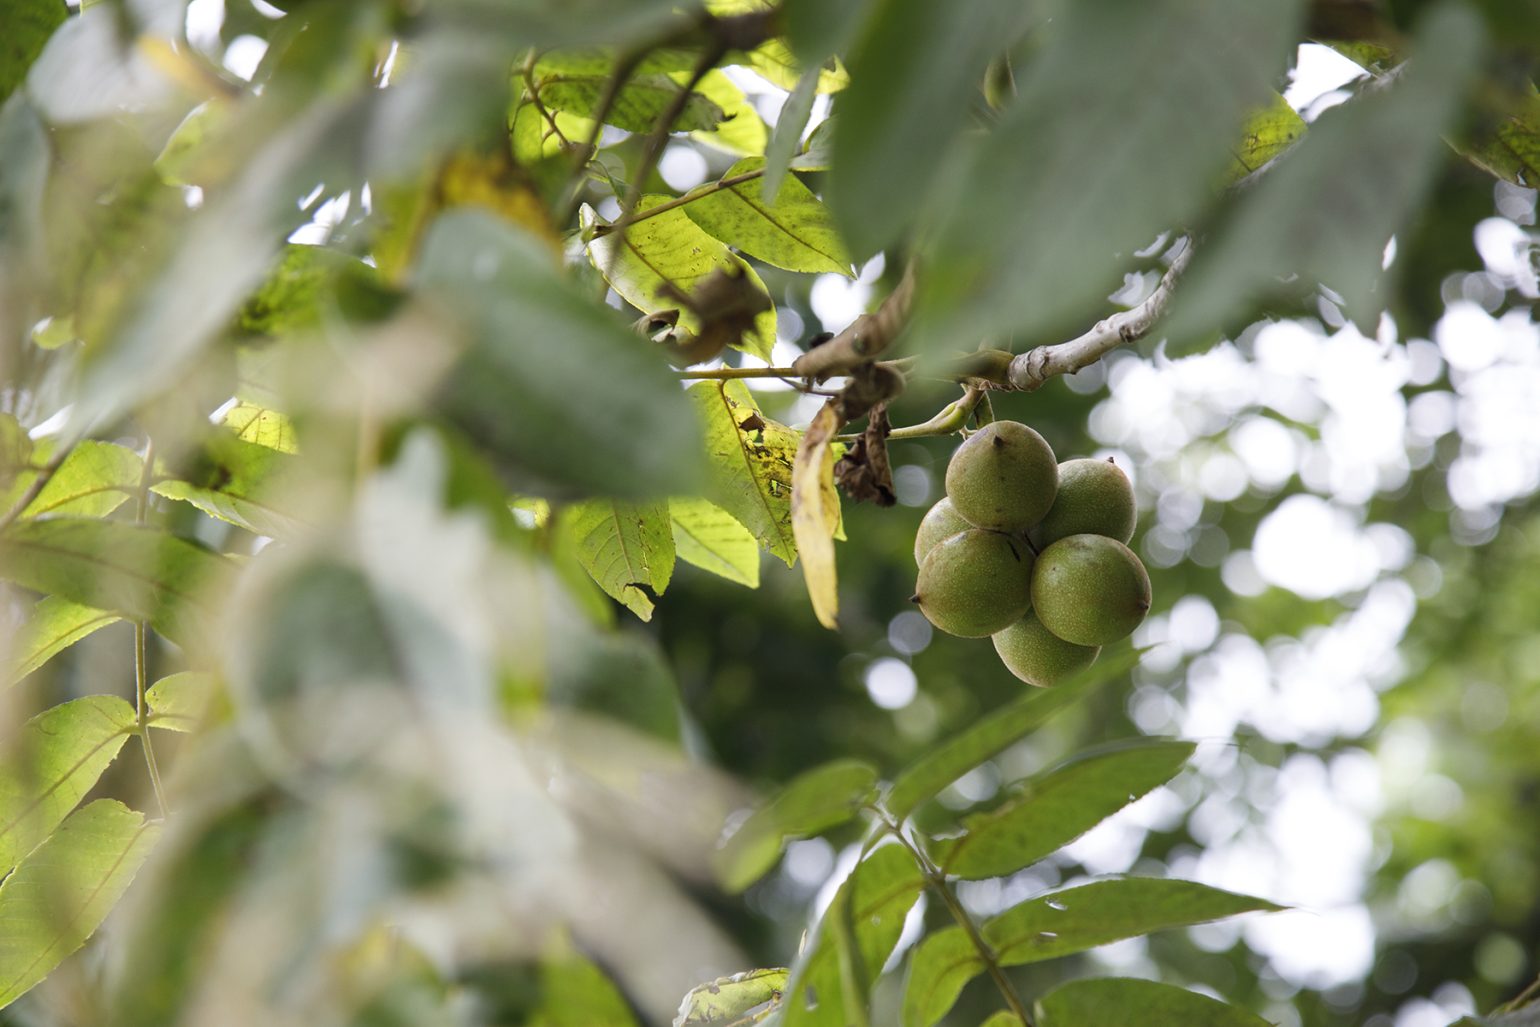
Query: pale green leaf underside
x=627, y=547
x=178, y=702
x=55, y=625
x=712, y=539
x=262, y=427
x=63, y=890
x=94, y=479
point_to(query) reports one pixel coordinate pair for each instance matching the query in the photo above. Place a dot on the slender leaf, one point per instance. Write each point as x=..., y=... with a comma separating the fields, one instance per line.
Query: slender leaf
x=814, y=801
x=28, y=24
x=1327, y=212
x=786, y=136
x=1053, y=809
x=733, y=1001
x=51, y=763
x=669, y=251
x=1120, y=1000
x=138, y=572
x=1081, y=918
x=627, y=547
x=913, y=75
x=59, y=895
x=236, y=483
x=713, y=540
x=993, y=734
x=867, y=913
x=179, y=702
x=1036, y=230
x=793, y=232
x=54, y=625
x=749, y=463
x=815, y=513
x=531, y=326
x=94, y=479
x=942, y=965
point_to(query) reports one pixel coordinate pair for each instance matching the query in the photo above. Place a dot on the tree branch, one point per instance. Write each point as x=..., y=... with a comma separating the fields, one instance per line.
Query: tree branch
x=1031, y=369
x=865, y=337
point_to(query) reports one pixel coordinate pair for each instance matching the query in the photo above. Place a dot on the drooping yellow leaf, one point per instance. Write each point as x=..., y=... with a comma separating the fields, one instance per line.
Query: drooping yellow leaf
x=815, y=513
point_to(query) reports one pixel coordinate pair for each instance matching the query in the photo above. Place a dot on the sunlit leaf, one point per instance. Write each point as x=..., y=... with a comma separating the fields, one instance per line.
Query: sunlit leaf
x=28, y=24
x=95, y=479
x=793, y=232
x=54, y=625
x=913, y=75
x=1268, y=132
x=51, y=763
x=1108, y=1000
x=869, y=912
x=627, y=547
x=179, y=702
x=1053, y=809
x=994, y=733
x=138, y=572
x=814, y=801
x=668, y=249
x=733, y=1000
x=815, y=513
x=749, y=462
x=741, y=131
x=262, y=427
x=575, y=82
x=1037, y=228
x=1327, y=212
x=59, y=895
x=236, y=483
x=712, y=539
x=531, y=326
x=1004, y=1018
x=774, y=60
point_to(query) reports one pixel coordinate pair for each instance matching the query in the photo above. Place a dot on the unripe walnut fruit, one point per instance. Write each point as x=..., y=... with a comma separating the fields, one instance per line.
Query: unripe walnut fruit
x=1095, y=498
x=1004, y=477
x=1090, y=589
x=975, y=583
x=1038, y=656
x=940, y=522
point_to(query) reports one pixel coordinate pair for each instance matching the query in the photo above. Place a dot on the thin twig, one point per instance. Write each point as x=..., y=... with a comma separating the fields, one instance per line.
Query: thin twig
x=625, y=67
x=864, y=338
x=728, y=373
x=534, y=99
x=141, y=654
x=1034, y=367
x=949, y=420
x=937, y=882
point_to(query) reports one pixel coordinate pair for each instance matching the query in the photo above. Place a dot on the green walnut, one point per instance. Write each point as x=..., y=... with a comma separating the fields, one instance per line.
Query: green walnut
x=939, y=522
x=1090, y=589
x=1038, y=656
x=1095, y=498
x=1003, y=478
x=975, y=583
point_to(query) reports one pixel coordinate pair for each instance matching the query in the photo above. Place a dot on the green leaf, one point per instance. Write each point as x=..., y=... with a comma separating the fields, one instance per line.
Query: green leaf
x=576, y=993
x=794, y=231
x=733, y=1000
x=1037, y=227
x=742, y=131
x=1268, y=132
x=712, y=539
x=1004, y=1018
x=1326, y=213
x=1053, y=809
x=787, y=135
x=59, y=895
x=138, y=572
x=626, y=547
x=575, y=81
x=749, y=468
x=236, y=483
x=942, y=965
x=914, y=74
x=28, y=24
x=870, y=906
x=993, y=734
x=1512, y=151
x=15, y=449
x=1081, y=918
x=774, y=60
x=262, y=427
x=51, y=763
x=95, y=479
x=54, y=626
x=1123, y=1000
x=818, y=153
x=178, y=702
x=618, y=424
x=814, y=801
x=668, y=249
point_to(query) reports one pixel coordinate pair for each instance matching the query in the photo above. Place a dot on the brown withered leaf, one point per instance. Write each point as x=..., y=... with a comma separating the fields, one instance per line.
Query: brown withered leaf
x=864, y=472
x=726, y=303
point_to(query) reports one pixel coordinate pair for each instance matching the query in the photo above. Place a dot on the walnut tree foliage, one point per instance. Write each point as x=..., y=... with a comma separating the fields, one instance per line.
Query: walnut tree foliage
x=358, y=413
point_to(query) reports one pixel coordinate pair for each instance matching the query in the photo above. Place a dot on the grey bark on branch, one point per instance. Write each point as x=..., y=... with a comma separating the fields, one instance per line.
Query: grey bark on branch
x=864, y=338
x=1031, y=369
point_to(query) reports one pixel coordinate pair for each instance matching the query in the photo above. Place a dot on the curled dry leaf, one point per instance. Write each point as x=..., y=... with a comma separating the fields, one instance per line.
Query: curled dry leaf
x=864, y=472
x=815, y=512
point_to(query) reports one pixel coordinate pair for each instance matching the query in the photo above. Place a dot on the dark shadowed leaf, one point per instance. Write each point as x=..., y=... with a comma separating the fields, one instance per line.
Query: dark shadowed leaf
x=63, y=890
x=237, y=482
x=1120, y=1000
x=1053, y=809
x=814, y=801
x=28, y=24
x=618, y=424
x=991, y=735
x=1512, y=151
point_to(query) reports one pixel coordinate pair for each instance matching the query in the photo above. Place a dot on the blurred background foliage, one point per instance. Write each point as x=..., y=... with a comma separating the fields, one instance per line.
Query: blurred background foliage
x=435, y=727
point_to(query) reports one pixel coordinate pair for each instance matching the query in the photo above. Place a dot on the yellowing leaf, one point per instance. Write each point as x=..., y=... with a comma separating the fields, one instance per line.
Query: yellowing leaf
x=749, y=460
x=713, y=540
x=815, y=513
x=742, y=131
x=1268, y=132
x=795, y=231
